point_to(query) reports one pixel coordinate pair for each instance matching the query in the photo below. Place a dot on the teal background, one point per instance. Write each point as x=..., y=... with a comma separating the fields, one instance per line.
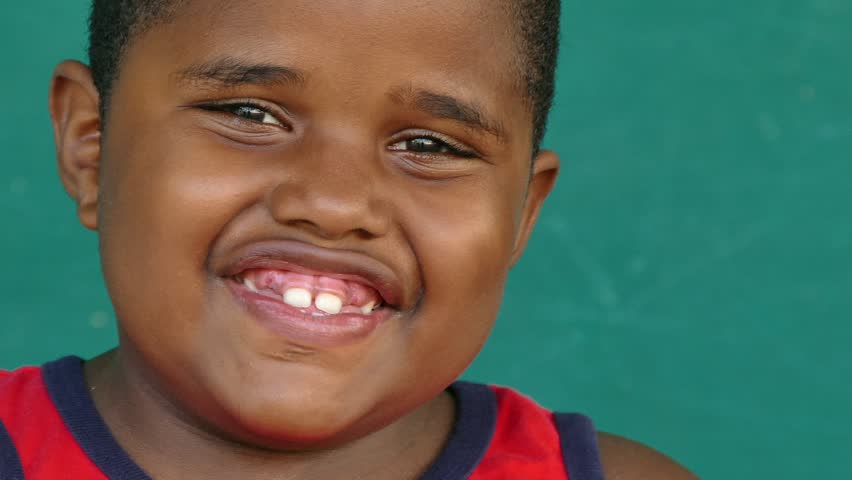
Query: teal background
x=689, y=284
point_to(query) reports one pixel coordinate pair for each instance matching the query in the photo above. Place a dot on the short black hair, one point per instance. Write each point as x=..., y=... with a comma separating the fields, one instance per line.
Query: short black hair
x=114, y=23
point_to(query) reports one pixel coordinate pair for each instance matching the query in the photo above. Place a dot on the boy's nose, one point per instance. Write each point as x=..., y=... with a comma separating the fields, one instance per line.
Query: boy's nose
x=331, y=198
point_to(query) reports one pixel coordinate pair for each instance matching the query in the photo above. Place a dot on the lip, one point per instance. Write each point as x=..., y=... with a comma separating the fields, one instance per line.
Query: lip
x=295, y=325
x=307, y=259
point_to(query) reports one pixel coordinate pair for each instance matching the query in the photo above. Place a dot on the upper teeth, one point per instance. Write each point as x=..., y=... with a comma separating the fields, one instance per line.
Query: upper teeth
x=297, y=297
x=329, y=303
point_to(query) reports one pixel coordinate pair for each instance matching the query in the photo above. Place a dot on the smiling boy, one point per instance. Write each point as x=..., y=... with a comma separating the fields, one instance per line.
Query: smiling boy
x=306, y=211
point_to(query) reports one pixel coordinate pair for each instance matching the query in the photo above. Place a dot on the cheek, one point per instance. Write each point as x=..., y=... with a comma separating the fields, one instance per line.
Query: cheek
x=164, y=202
x=463, y=247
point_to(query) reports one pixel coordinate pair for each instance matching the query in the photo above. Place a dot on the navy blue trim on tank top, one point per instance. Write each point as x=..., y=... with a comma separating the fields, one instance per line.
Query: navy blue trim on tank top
x=476, y=419
x=10, y=462
x=67, y=387
x=579, y=442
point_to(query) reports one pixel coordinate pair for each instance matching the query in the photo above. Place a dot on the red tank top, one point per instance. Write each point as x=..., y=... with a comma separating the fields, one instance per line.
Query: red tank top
x=50, y=429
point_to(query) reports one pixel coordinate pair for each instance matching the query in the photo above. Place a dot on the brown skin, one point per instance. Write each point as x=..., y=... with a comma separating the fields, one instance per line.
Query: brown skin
x=197, y=389
x=624, y=459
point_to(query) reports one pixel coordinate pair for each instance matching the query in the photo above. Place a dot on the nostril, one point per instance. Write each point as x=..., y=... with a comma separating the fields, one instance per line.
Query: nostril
x=364, y=234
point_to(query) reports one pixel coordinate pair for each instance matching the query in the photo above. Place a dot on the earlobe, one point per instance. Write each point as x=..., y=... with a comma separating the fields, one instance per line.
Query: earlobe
x=544, y=172
x=74, y=112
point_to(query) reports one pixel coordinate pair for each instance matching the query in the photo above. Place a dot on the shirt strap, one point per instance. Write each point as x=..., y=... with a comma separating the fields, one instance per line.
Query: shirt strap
x=578, y=439
x=10, y=462
x=476, y=420
x=66, y=384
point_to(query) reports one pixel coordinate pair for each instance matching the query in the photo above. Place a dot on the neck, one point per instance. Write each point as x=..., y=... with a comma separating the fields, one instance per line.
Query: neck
x=168, y=443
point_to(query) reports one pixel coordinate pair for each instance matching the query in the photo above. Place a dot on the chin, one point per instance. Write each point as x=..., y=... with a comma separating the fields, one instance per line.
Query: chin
x=291, y=414
x=284, y=425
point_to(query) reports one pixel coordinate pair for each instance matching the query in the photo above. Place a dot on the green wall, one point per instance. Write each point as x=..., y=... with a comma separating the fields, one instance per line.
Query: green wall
x=690, y=284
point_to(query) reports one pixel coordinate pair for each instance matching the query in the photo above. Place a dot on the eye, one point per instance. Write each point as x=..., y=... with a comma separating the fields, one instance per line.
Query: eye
x=432, y=145
x=246, y=111
x=255, y=114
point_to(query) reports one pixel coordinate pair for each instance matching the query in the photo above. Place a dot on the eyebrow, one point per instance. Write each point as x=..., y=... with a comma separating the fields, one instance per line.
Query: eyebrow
x=445, y=106
x=230, y=72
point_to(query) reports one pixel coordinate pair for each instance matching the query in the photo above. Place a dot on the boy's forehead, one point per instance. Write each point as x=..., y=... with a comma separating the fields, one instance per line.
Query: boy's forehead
x=339, y=12
x=387, y=22
x=472, y=28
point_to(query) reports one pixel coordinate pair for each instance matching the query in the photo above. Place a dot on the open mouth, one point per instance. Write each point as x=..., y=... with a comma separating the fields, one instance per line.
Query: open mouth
x=314, y=295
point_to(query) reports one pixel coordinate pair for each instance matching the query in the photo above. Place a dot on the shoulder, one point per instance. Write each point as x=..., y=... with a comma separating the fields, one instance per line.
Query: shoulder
x=625, y=459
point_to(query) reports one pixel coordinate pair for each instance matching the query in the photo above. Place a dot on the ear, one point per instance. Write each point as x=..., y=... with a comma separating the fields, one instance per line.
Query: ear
x=544, y=173
x=74, y=112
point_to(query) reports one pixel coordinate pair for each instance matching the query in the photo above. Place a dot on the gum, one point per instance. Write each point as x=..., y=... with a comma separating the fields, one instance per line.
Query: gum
x=277, y=281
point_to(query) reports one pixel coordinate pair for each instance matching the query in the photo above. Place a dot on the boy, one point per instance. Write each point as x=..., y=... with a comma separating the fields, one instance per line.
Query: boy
x=306, y=212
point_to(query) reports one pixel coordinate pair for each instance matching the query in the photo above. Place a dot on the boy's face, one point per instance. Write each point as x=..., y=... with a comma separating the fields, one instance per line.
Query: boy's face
x=337, y=140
